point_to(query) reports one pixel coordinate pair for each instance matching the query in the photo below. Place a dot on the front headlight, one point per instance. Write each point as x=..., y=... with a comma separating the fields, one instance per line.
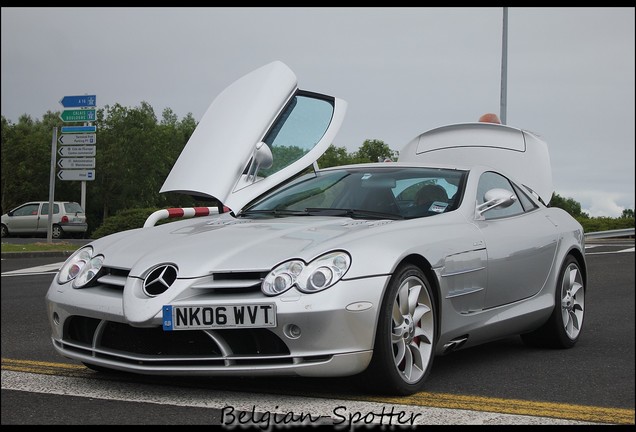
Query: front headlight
x=74, y=264
x=318, y=275
x=82, y=268
x=89, y=272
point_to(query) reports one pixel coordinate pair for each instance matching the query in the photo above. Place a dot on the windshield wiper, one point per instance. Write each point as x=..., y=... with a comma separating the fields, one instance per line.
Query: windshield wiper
x=324, y=211
x=274, y=212
x=352, y=213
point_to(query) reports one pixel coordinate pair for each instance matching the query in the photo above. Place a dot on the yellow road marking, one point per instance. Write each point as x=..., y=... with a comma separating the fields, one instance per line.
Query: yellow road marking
x=42, y=368
x=514, y=406
x=423, y=399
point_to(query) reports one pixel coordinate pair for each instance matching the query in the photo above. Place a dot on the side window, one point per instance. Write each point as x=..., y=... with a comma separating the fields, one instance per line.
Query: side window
x=491, y=180
x=45, y=208
x=526, y=202
x=300, y=127
x=27, y=210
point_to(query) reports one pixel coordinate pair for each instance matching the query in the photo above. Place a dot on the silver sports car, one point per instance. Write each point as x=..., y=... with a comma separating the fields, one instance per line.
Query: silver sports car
x=371, y=269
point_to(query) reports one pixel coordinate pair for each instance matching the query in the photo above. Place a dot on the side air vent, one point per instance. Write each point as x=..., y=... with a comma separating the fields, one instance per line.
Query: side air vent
x=455, y=344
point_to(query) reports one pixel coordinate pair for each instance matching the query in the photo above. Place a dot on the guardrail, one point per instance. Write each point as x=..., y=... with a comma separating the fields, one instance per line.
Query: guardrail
x=184, y=212
x=627, y=232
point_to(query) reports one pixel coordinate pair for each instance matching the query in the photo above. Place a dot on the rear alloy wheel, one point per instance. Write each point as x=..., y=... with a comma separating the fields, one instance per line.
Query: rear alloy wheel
x=563, y=328
x=406, y=334
x=57, y=232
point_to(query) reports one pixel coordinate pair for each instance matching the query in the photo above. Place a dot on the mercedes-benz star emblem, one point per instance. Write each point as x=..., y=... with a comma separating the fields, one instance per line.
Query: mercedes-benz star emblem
x=160, y=279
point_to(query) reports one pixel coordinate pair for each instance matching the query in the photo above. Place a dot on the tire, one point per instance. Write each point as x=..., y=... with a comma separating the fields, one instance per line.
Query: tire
x=563, y=328
x=406, y=334
x=4, y=231
x=57, y=232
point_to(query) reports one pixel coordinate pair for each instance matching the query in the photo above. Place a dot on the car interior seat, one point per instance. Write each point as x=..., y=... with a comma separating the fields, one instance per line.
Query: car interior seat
x=380, y=200
x=430, y=193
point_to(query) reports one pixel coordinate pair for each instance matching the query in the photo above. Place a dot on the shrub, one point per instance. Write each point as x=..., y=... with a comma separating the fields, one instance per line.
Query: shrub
x=605, y=223
x=123, y=220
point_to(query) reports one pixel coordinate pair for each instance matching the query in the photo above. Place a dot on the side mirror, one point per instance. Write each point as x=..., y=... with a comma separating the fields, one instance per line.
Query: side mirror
x=496, y=198
x=261, y=158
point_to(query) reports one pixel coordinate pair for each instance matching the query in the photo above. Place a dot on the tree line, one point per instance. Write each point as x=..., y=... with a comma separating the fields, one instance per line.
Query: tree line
x=135, y=152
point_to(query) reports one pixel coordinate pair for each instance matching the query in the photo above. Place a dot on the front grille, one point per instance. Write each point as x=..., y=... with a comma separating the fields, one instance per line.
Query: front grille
x=123, y=342
x=231, y=276
x=235, y=283
x=113, y=278
x=156, y=342
x=81, y=329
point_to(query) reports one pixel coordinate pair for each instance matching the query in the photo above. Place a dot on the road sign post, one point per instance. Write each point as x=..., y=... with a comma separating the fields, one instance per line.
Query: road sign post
x=49, y=227
x=78, y=142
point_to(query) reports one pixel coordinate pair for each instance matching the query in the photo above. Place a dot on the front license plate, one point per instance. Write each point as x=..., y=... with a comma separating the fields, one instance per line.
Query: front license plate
x=215, y=317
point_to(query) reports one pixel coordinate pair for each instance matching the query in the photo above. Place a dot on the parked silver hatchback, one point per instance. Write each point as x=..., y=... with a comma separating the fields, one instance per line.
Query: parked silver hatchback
x=32, y=218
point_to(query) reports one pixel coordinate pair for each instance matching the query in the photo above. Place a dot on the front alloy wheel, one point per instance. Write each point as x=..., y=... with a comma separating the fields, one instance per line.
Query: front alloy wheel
x=405, y=339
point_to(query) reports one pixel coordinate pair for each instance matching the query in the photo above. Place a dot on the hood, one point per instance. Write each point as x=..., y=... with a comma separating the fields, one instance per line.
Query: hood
x=259, y=132
x=227, y=243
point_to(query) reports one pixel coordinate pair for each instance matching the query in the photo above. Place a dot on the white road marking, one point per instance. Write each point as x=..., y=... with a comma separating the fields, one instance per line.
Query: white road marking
x=342, y=414
x=43, y=269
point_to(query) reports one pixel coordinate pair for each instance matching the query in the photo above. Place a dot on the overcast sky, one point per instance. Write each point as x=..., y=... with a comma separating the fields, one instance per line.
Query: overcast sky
x=402, y=71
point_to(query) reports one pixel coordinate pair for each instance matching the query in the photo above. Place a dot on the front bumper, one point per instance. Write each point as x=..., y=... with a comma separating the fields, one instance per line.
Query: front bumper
x=337, y=329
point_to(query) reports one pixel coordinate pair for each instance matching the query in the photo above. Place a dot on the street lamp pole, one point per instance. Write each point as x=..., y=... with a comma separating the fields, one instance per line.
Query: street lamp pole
x=504, y=69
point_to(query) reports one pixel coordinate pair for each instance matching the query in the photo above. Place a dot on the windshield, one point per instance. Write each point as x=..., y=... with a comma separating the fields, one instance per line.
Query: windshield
x=367, y=193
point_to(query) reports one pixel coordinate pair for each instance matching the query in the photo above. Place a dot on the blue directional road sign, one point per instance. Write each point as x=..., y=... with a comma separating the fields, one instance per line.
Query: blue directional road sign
x=78, y=101
x=79, y=129
x=83, y=175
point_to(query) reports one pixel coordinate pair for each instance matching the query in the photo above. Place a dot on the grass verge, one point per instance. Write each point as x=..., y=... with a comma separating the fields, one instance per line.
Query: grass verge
x=39, y=247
